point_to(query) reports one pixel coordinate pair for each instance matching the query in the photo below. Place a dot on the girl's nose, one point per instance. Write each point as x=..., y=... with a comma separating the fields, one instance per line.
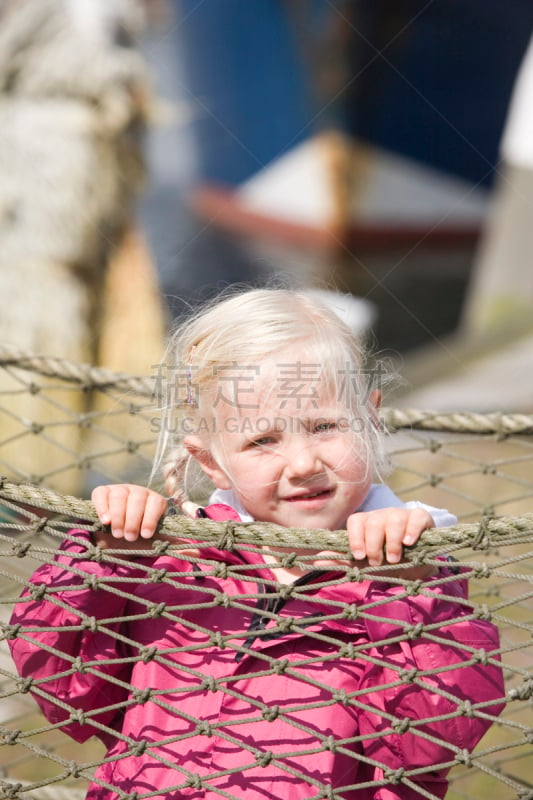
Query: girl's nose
x=303, y=461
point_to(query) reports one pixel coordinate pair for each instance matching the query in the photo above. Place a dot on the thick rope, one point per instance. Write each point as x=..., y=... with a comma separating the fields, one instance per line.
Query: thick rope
x=462, y=422
x=84, y=374
x=489, y=532
x=393, y=418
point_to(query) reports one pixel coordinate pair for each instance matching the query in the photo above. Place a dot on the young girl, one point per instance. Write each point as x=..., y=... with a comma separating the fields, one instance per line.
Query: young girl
x=237, y=673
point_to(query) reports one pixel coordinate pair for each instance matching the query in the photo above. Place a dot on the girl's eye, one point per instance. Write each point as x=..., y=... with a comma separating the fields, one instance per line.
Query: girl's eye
x=261, y=441
x=325, y=426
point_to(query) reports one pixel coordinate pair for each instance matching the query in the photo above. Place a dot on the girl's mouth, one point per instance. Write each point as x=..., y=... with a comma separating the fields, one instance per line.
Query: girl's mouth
x=310, y=497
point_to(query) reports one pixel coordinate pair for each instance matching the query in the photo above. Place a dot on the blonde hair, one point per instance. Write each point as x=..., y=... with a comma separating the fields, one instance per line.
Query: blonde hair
x=242, y=331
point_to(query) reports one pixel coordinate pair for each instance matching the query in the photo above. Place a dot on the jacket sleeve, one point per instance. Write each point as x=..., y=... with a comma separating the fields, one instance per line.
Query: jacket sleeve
x=432, y=684
x=63, y=643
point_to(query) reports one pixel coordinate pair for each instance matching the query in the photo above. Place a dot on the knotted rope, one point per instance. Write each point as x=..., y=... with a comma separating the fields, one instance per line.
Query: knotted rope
x=488, y=533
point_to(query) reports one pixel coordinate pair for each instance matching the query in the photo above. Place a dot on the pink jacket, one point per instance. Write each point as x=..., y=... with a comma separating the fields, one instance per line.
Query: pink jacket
x=267, y=730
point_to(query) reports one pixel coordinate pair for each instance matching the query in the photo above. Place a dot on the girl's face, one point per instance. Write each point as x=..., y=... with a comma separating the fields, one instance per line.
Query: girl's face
x=295, y=460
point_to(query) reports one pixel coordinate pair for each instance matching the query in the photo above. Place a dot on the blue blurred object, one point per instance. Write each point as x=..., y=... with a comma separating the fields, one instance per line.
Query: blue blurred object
x=245, y=78
x=435, y=78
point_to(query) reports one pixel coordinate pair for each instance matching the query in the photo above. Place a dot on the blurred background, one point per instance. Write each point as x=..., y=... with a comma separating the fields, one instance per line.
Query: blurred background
x=155, y=152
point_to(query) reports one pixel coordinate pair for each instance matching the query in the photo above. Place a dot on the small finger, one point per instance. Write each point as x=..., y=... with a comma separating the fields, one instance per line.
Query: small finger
x=134, y=516
x=100, y=497
x=155, y=507
x=374, y=548
x=375, y=535
x=118, y=505
x=356, y=536
x=394, y=535
x=419, y=520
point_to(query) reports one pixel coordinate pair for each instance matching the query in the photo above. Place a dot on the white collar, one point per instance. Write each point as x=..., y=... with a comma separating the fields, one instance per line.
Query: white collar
x=229, y=498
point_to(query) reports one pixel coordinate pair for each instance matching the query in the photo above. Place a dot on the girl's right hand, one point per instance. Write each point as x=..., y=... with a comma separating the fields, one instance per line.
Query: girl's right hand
x=130, y=510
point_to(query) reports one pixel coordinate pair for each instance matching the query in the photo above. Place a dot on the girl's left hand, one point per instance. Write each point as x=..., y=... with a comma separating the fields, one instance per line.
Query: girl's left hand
x=379, y=536
x=131, y=511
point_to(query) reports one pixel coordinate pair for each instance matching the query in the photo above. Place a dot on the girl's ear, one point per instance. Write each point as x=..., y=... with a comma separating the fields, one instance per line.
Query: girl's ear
x=374, y=404
x=376, y=398
x=197, y=449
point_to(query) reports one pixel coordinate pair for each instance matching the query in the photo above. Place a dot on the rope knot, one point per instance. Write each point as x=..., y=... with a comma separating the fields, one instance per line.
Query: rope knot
x=227, y=538
x=285, y=624
x=92, y=582
x=147, y=653
x=287, y=561
x=24, y=685
x=157, y=610
x=79, y=666
x=522, y=692
x=484, y=612
x=351, y=612
x=160, y=547
x=264, y=759
x=10, y=737
x=220, y=570
x=279, y=667
x=394, y=776
x=204, y=728
x=285, y=591
x=482, y=571
x=340, y=696
x=464, y=757
x=481, y=540
x=217, y=640
x=77, y=715
x=347, y=650
x=37, y=590
x=90, y=624
x=94, y=553
x=330, y=744
x=222, y=599
x=481, y=657
x=10, y=631
x=413, y=589
x=401, y=725
x=141, y=696
x=157, y=575
x=270, y=714
x=465, y=709
x=73, y=769
x=19, y=549
x=355, y=574
x=418, y=558
x=194, y=782
x=414, y=631
x=12, y=792
x=408, y=675
x=209, y=684
x=139, y=748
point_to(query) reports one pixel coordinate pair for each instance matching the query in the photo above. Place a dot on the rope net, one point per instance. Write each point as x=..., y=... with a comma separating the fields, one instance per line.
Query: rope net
x=260, y=685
